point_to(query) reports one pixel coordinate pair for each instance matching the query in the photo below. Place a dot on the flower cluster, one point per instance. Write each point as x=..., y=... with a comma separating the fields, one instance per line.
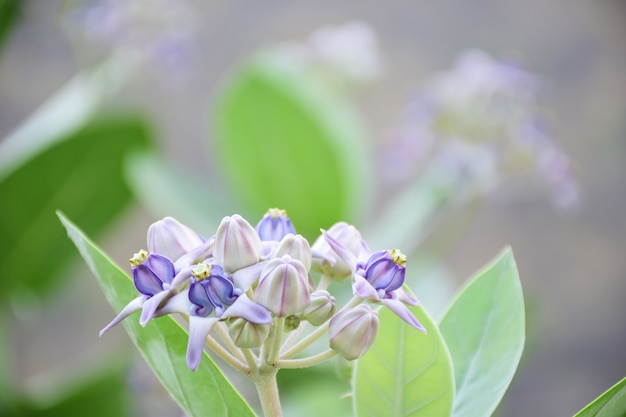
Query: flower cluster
x=476, y=124
x=251, y=285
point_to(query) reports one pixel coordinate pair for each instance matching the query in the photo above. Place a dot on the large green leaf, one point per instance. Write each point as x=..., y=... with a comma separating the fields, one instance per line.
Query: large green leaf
x=203, y=393
x=406, y=373
x=285, y=141
x=80, y=175
x=610, y=404
x=484, y=331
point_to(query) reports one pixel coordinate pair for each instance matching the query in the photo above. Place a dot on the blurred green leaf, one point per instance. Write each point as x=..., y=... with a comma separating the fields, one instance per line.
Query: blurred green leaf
x=68, y=110
x=285, y=141
x=163, y=342
x=9, y=13
x=610, y=404
x=81, y=175
x=484, y=331
x=405, y=373
x=104, y=394
x=165, y=189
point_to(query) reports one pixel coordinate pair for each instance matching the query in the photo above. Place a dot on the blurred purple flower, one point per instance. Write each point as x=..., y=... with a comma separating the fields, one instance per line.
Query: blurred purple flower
x=476, y=124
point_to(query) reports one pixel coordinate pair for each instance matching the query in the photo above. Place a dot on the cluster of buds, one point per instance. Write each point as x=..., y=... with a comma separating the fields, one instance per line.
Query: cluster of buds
x=250, y=286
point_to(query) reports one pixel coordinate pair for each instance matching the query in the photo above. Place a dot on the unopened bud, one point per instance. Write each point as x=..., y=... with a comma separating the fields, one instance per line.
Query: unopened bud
x=237, y=244
x=321, y=309
x=295, y=246
x=246, y=334
x=283, y=287
x=352, y=331
x=171, y=238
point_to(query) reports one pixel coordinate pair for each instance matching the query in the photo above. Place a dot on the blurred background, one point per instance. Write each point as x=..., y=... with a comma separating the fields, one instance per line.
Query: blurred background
x=570, y=256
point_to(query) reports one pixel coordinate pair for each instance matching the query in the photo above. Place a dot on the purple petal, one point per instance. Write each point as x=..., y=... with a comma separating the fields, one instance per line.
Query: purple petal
x=151, y=305
x=196, y=255
x=199, y=329
x=220, y=290
x=161, y=266
x=362, y=288
x=403, y=312
x=249, y=310
x=199, y=296
x=245, y=277
x=146, y=281
x=177, y=304
x=348, y=257
x=130, y=308
x=182, y=276
x=401, y=295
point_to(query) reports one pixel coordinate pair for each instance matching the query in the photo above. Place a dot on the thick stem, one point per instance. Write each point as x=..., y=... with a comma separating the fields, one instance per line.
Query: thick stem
x=266, y=387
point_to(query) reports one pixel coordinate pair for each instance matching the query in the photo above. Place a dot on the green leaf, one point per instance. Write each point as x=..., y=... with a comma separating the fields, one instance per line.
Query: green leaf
x=204, y=393
x=406, y=373
x=610, y=404
x=484, y=331
x=68, y=110
x=9, y=14
x=81, y=175
x=285, y=141
x=167, y=190
x=104, y=394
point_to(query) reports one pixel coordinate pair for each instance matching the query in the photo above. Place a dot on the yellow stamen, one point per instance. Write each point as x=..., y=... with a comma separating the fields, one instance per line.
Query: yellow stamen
x=398, y=257
x=201, y=271
x=138, y=258
x=276, y=212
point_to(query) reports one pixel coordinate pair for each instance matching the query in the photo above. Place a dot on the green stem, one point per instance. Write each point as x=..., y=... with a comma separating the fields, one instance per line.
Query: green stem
x=251, y=359
x=226, y=356
x=267, y=388
x=306, y=362
x=274, y=348
x=324, y=282
x=222, y=331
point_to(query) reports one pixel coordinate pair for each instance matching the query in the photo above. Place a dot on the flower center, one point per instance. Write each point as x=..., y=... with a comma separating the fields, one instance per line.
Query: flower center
x=398, y=257
x=201, y=272
x=138, y=258
x=276, y=213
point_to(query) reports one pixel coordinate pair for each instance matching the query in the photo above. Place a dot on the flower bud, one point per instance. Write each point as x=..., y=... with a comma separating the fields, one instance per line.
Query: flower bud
x=321, y=309
x=275, y=225
x=352, y=331
x=283, y=287
x=295, y=246
x=246, y=334
x=170, y=238
x=350, y=238
x=237, y=244
x=386, y=270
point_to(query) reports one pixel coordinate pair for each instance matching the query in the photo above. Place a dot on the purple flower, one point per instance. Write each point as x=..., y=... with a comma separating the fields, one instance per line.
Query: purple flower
x=154, y=277
x=212, y=296
x=275, y=225
x=380, y=279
